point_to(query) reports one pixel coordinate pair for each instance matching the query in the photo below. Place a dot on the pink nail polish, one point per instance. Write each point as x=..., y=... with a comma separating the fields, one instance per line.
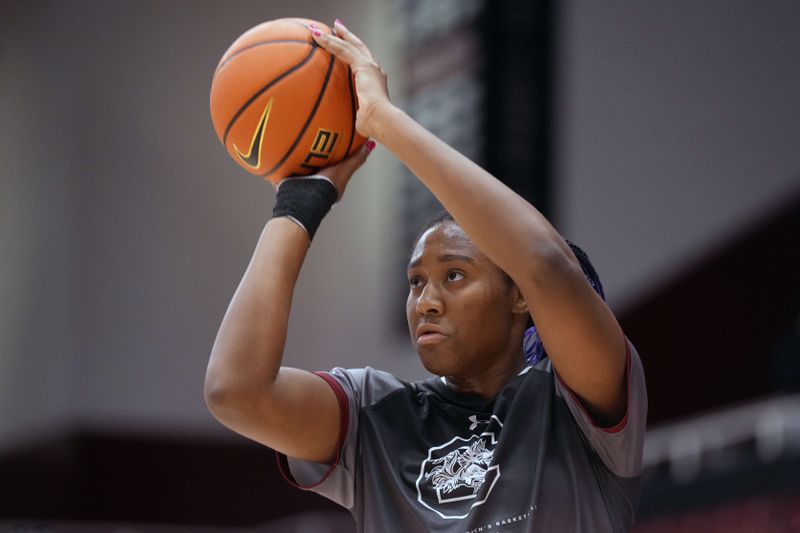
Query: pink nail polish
x=370, y=145
x=312, y=25
x=316, y=32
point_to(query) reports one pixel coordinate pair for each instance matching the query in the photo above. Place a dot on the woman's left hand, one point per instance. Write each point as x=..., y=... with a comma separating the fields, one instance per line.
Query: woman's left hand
x=372, y=88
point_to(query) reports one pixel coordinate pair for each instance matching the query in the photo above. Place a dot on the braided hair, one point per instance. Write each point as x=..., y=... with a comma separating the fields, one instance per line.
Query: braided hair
x=531, y=343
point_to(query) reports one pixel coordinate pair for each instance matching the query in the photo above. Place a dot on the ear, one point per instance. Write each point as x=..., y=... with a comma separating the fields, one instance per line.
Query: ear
x=520, y=305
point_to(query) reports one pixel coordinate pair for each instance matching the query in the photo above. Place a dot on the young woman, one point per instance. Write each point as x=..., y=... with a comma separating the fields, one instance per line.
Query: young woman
x=494, y=443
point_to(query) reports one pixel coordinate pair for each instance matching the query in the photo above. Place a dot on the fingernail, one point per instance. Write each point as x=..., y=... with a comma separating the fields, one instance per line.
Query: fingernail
x=312, y=25
x=339, y=22
x=370, y=145
x=316, y=32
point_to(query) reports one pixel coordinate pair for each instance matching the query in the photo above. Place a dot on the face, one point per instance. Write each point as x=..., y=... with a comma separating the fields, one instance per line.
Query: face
x=464, y=314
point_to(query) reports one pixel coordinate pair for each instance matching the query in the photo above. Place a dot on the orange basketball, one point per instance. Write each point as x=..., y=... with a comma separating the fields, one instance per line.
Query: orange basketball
x=281, y=105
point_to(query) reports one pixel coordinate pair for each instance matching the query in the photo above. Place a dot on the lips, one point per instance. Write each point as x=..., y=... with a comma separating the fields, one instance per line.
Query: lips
x=430, y=334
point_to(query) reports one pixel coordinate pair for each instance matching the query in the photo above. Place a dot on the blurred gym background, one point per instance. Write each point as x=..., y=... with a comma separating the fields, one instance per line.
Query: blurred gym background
x=661, y=137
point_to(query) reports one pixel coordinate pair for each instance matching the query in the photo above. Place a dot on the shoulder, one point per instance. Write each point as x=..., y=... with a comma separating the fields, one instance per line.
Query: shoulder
x=368, y=386
x=620, y=447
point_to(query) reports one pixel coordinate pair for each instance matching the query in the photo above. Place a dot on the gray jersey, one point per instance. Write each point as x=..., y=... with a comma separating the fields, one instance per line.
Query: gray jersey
x=422, y=457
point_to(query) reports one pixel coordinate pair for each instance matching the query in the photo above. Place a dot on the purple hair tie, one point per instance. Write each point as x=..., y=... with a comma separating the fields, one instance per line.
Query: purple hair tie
x=532, y=346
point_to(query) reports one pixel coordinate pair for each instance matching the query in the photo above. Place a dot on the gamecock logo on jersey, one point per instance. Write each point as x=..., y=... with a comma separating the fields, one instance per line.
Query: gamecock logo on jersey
x=459, y=475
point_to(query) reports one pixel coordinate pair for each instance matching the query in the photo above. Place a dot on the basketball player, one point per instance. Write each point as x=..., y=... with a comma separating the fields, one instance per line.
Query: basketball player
x=501, y=439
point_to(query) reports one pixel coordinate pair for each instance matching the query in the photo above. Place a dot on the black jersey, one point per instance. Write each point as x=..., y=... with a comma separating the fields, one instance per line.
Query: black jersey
x=421, y=457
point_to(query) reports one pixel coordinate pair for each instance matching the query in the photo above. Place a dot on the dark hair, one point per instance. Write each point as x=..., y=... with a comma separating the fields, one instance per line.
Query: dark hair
x=443, y=215
x=588, y=269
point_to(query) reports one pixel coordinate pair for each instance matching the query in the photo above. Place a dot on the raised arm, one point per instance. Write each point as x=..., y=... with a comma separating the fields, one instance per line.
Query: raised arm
x=246, y=388
x=579, y=332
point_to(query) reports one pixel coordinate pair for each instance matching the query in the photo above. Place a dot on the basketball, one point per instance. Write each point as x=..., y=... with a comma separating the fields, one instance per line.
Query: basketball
x=281, y=105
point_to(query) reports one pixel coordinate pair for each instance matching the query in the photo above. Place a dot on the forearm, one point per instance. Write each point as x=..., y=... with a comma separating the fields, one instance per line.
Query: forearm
x=483, y=206
x=249, y=346
x=574, y=323
x=580, y=333
x=246, y=387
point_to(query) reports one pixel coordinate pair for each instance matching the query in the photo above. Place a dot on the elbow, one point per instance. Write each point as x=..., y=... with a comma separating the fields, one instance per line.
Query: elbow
x=216, y=396
x=229, y=399
x=228, y=405
x=224, y=403
x=222, y=395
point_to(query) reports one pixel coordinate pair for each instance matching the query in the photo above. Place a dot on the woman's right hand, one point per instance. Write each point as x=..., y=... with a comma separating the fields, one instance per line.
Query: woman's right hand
x=372, y=87
x=341, y=172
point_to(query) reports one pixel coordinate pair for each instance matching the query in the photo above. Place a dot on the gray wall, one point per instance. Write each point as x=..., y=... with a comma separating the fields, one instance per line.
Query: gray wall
x=678, y=126
x=39, y=209
x=124, y=226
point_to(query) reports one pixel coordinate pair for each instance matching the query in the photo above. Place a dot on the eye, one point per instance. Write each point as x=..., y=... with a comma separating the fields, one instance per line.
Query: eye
x=414, y=281
x=454, y=275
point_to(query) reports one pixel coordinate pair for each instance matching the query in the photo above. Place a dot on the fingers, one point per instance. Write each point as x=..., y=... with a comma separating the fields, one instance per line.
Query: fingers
x=354, y=162
x=334, y=45
x=341, y=172
x=350, y=37
x=342, y=43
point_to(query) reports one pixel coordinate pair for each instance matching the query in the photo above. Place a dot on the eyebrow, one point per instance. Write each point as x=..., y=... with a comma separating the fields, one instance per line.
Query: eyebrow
x=446, y=258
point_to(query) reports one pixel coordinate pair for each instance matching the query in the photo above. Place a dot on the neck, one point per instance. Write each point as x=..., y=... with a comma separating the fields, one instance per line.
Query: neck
x=488, y=382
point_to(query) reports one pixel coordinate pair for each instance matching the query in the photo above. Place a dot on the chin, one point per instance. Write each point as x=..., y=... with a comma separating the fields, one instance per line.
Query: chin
x=440, y=364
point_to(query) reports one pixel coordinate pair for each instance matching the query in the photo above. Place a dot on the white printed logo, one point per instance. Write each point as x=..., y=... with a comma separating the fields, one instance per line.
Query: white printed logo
x=459, y=475
x=475, y=422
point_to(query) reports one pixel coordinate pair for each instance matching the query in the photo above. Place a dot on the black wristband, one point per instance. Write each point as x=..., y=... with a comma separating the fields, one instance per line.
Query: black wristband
x=306, y=201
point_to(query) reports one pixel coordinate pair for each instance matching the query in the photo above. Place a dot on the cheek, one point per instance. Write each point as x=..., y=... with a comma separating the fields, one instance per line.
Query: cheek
x=487, y=313
x=474, y=311
x=489, y=299
x=411, y=312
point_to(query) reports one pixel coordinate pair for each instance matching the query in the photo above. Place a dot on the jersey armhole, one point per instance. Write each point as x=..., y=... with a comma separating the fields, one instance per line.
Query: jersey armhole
x=619, y=426
x=344, y=419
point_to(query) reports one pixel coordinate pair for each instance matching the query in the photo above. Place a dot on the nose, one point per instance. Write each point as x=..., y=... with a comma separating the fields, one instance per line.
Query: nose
x=429, y=301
